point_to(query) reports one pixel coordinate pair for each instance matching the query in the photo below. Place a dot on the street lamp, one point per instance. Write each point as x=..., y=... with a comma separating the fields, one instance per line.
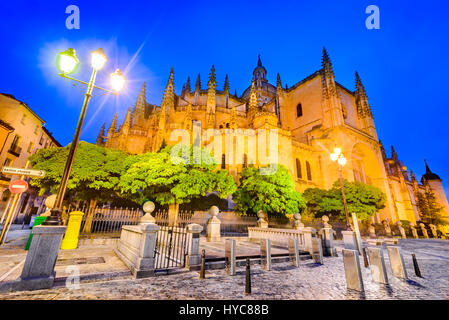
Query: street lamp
x=341, y=160
x=67, y=62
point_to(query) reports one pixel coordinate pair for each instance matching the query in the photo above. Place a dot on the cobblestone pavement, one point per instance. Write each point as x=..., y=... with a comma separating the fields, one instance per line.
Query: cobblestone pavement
x=309, y=281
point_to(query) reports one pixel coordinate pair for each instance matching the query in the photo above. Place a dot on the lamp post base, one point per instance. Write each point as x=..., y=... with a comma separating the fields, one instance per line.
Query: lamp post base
x=54, y=219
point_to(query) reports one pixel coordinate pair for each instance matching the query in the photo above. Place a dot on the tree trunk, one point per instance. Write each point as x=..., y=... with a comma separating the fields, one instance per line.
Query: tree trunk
x=90, y=214
x=173, y=214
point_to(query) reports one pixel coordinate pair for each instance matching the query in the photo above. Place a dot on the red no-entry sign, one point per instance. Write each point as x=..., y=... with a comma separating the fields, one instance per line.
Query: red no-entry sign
x=18, y=186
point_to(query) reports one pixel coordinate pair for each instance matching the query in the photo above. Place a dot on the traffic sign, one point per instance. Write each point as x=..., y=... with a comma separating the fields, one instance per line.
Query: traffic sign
x=18, y=186
x=25, y=172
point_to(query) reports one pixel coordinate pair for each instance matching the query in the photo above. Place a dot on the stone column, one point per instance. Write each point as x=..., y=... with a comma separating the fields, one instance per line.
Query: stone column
x=423, y=230
x=433, y=230
x=38, y=270
x=387, y=228
x=308, y=233
x=327, y=238
x=349, y=240
x=413, y=229
x=261, y=223
x=213, y=225
x=70, y=240
x=401, y=230
x=193, y=233
x=297, y=224
x=372, y=231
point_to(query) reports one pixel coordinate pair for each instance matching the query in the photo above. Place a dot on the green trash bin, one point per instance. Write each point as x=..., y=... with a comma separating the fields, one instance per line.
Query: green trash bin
x=37, y=221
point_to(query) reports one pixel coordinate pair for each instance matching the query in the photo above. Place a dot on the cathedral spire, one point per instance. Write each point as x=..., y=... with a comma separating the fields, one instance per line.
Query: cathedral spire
x=127, y=121
x=253, y=103
x=113, y=127
x=259, y=62
x=168, y=101
x=363, y=108
x=139, y=107
x=429, y=175
x=278, y=82
x=198, y=84
x=394, y=155
x=100, y=137
x=326, y=63
x=212, y=84
x=226, y=85
x=188, y=86
x=260, y=73
x=211, y=98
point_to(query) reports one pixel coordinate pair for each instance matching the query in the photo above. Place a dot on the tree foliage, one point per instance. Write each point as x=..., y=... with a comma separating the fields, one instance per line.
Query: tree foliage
x=362, y=199
x=272, y=193
x=429, y=208
x=169, y=178
x=95, y=171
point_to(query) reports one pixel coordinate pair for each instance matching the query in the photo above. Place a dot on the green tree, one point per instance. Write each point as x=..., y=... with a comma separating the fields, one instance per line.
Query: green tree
x=429, y=208
x=168, y=177
x=273, y=193
x=362, y=199
x=94, y=176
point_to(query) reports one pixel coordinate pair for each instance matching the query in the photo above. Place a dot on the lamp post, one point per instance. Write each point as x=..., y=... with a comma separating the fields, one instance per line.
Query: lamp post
x=341, y=160
x=68, y=62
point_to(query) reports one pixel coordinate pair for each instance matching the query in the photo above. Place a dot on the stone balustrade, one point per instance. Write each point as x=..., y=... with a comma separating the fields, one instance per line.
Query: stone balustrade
x=281, y=236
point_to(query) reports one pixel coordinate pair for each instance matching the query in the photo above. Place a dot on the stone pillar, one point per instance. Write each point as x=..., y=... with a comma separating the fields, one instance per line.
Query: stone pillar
x=194, y=257
x=70, y=240
x=423, y=230
x=401, y=230
x=261, y=223
x=38, y=270
x=308, y=233
x=145, y=262
x=387, y=228
x=433, y=230
x=413, y=229
x=297, y=224
x=372, y=231
x=327, y=238
x=349, y=240
x=213, y=225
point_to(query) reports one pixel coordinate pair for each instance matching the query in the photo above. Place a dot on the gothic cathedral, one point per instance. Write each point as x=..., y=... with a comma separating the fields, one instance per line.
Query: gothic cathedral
x=312, y=117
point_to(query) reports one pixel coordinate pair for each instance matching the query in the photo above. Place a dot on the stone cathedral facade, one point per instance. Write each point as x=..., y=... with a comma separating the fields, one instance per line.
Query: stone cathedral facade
x=312, y=117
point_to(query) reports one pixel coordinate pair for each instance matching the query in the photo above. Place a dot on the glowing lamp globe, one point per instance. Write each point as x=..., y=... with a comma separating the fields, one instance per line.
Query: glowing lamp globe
x=98, y=59
x=117, y=80
x=334, y=156
x=67, y=61
x=342, y=161
x=337, y=151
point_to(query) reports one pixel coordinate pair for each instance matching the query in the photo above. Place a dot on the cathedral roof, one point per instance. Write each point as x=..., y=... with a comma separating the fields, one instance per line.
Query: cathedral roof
x=429, y=175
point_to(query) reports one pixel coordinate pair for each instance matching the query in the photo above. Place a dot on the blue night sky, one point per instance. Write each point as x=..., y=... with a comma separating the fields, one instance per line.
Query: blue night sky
x=403, y=65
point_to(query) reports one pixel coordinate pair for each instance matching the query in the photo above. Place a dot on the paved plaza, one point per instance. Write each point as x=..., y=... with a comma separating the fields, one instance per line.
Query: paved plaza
x=309, y=281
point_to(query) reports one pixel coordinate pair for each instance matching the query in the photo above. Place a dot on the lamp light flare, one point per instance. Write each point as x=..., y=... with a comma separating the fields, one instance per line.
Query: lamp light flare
x=337, y=151
x=342, y=161
x=117, y=80
x=334, y=156
x=98, y=59
x=67, y=61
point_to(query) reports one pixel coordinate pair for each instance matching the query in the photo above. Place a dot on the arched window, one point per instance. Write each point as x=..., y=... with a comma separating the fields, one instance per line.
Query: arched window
x=309, y=171
x=223, y=161
x=299, y=110
x=245, y=160
x=298, y=169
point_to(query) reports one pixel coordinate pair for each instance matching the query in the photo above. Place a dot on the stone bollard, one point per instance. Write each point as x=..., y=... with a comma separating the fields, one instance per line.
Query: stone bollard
x=414, y=232
x=148, y=208
x=433, y=229
x=261, y=223
x=354, y=280
x=327, y=238
x=401, y=230
x=38, y=270
x=70, y=240
x=372, y=231
x=193, y=257
x=349, y=240
x=423, y=230
x=387, y=228
x=213, y=225
x=297, y=224
x=308, y=233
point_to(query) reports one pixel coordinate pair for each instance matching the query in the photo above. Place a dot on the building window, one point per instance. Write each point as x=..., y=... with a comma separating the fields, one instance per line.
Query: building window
x=299, y=110
x=22, y=121
x=30, y=147
x=223, y=161
x=309, y=171
x=298, y=169
x=245, y=160
x=41, y=140
x=36, y=130
x=7, y=162
x=345, y=111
